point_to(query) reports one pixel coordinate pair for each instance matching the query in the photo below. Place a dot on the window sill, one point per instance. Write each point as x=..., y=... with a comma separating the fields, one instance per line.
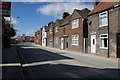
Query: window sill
x=103, y=25
x=74, y=44
x=103, y=48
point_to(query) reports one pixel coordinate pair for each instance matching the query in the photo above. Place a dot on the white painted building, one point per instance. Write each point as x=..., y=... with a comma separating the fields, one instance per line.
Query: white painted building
x=44, y=36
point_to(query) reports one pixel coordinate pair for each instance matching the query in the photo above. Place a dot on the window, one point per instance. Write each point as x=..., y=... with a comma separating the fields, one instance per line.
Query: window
x=75, y=39
x=51, y=40
x=103, y=19
x=56, y=29
x=104, y=41
x=75, y=23
x=51, y=30
x=56, y=40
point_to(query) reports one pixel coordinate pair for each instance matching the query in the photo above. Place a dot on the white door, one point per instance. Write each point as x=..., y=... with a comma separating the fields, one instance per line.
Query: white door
x=93, y=43
x=62, y=43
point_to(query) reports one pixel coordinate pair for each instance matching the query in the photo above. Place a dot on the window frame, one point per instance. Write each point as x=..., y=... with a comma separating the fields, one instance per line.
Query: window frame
x=103, y=38
x=56, y=40
x=73, y=39
x=73, y=23
x=56, y=29
x=51, y=30
x=100, y=15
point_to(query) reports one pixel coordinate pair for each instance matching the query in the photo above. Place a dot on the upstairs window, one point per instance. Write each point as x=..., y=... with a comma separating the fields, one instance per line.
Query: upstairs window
x=56, y=29
x=103, y=19
x=75, y=23
x=104, y=41
x=75, y=39
x=51, y=30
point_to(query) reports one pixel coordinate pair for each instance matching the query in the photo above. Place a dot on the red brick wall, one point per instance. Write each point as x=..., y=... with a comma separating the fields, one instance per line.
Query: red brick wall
x=69, y=31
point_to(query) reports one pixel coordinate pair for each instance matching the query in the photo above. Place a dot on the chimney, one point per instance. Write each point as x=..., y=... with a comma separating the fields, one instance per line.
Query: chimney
x=65, y=14
x=96, y=2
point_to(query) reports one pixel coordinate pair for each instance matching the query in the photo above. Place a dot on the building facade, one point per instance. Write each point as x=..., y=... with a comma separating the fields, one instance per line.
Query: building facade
x=57, y=33
x=75, y=31
x=44, y=36
x=104, y=29
x=50, y=34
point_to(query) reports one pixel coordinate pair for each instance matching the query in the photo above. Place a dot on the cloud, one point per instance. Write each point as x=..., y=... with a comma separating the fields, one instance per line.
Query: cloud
x=56, y=9
x=13, y=20
x=30, y=33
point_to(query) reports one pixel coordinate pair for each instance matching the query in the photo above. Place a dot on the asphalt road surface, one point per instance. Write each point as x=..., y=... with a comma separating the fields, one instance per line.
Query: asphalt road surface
x=41, y=62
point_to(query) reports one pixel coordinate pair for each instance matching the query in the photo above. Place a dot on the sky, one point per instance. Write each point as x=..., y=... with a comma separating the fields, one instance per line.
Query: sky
x=28, y=17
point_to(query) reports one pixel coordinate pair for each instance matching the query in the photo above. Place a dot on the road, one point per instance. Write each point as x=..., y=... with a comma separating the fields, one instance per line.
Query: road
x=41, y=62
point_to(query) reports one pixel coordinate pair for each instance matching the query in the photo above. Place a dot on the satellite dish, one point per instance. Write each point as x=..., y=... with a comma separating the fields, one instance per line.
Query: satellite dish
x=89, y=21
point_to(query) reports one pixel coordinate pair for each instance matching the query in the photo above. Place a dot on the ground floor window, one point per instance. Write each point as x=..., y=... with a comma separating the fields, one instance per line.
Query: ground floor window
x=75, y=39
x=51, y=40
x=56, y=40
x=104, y=41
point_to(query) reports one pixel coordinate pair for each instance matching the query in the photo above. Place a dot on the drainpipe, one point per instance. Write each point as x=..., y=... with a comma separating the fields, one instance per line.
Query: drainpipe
x=108, y=37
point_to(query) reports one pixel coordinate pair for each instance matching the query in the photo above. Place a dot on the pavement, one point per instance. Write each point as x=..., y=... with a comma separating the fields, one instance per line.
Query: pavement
x=11, y=67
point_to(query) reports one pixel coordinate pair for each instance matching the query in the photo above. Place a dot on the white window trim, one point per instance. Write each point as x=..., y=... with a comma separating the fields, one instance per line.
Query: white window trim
x=77, y=24
x=56, y=29
x=78, y=40
x=107, y=19
x=51, y=30
x=56, y=40
x=107, y=41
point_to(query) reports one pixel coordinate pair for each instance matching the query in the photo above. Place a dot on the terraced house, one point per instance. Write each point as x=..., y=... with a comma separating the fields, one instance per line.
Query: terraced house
x=75, y=29
x=57, y=33
x=50, y=34
x=44, y=36
x=38, y=37
x=104, y=29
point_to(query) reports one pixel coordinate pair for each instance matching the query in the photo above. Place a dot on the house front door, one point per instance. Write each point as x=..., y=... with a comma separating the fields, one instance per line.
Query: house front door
x=62, y=43
x=118, y=45
x=66, y=42
x=93, y=43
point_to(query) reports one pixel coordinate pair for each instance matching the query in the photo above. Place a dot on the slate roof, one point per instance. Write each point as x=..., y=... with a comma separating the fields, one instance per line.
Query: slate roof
x=65, y=20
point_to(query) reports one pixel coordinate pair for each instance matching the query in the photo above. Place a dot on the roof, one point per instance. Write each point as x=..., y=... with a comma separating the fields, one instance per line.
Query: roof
x=65, y=20
x=58, y=22
x=83, y=13
x=80, y=13
x=103, y=6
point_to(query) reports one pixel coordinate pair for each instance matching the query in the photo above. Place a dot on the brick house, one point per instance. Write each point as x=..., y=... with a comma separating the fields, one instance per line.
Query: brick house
x=57, y=33
x=75, y=30
x=50, y=34
x=65, y=23
x=104, y=29
x=38, y=37
x=44, y=36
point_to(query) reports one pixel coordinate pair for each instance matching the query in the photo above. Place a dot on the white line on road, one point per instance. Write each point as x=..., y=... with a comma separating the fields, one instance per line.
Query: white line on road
x=10, y=64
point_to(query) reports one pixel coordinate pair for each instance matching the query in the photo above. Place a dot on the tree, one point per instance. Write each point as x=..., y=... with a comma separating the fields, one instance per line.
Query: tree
x=8, y=32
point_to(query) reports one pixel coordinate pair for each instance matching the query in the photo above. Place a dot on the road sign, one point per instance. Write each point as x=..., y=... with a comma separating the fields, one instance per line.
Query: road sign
x=5, y=8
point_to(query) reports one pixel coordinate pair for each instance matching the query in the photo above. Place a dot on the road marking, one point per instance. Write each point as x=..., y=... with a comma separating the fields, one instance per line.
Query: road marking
x=10, y=64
